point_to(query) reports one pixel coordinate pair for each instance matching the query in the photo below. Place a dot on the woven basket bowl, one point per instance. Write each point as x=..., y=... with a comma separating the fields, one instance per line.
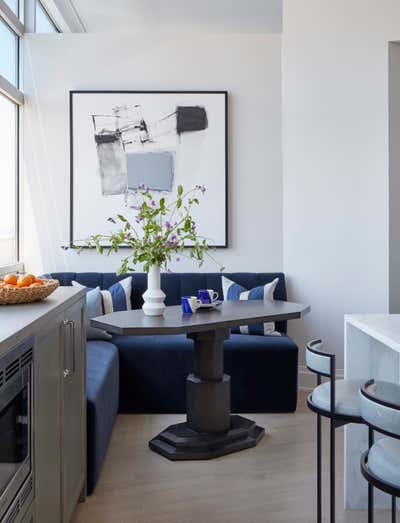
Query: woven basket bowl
x=27, y=294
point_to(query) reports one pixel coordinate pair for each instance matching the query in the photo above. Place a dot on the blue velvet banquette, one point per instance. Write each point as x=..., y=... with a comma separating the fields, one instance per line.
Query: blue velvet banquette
x=134, y=374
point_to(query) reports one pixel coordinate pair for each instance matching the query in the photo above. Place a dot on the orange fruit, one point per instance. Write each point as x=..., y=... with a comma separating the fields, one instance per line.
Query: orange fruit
x=10, y=286
x=26, y=280
x=35, y=284
x=11, y=278
x=39, y=281
x=2, y=284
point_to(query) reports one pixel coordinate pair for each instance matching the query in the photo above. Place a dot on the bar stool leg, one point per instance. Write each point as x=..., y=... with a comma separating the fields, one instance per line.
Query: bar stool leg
x=394, y=508
x=332, y=479
x=319, y=470
x=370, y=487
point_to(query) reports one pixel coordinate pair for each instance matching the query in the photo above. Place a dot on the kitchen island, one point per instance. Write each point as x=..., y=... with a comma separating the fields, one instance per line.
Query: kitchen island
x=372, y=350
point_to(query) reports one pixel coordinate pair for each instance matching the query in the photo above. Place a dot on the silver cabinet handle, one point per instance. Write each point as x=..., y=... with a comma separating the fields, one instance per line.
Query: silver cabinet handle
x=70, y=324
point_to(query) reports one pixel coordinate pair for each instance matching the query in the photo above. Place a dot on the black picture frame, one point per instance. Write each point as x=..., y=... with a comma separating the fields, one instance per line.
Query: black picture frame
x=73, y=93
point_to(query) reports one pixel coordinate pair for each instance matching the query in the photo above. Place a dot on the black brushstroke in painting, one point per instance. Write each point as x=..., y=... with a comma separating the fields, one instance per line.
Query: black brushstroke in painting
x=191, y=118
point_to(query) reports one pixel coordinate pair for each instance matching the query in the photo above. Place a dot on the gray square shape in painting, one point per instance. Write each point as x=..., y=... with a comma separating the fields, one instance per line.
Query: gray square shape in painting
x=155, y=169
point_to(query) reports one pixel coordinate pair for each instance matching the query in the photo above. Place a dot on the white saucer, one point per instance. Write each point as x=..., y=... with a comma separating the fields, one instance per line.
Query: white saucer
x=212, y=305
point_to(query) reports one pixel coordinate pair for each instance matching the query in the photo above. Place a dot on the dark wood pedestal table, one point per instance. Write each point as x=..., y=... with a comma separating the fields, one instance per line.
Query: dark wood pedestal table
x=210, y=430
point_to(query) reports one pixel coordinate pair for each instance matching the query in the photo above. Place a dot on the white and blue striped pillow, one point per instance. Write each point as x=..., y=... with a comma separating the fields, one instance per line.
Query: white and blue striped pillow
x=117, y=297
x=234, y=291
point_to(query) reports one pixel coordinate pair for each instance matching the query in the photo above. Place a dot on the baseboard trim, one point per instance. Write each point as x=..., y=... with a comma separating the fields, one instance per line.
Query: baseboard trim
x=307, y=379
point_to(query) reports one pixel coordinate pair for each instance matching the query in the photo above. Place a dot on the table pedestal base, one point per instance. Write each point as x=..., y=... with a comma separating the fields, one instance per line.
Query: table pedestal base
x=210, y=430
x=180, y=442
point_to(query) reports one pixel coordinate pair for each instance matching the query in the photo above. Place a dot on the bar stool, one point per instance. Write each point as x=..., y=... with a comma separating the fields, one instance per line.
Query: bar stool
x=380, y=464
x=337, y=400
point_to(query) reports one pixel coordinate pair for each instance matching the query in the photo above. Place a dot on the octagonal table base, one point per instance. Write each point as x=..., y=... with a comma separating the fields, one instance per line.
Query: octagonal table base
x=210, y=430
x=180, y=442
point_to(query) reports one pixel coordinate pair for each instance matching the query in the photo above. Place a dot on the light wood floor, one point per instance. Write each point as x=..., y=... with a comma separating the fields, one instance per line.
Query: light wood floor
x=271, y=483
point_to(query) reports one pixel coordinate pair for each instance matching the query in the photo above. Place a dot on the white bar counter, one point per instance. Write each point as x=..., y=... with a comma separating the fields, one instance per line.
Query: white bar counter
x=372, y=350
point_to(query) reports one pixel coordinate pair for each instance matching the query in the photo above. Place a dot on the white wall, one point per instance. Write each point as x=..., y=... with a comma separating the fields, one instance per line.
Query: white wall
x=335, y=169
x=248, y=66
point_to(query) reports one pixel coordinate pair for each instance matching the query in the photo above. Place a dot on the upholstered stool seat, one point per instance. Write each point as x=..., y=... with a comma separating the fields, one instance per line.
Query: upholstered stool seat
x=384, y=460
x=380, y=464
x=337, y=400
x=346, y=397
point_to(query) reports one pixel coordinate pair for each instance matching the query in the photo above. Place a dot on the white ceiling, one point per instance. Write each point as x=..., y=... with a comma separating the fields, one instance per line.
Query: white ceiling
x=238, y=16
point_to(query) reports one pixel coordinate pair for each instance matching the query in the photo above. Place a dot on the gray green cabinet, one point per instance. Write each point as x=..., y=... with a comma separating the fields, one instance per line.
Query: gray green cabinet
x=73, y=409
x=58, y=328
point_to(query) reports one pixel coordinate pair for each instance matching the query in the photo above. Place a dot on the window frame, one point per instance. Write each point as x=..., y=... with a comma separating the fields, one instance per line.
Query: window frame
x=41, y=5
x=15, y=96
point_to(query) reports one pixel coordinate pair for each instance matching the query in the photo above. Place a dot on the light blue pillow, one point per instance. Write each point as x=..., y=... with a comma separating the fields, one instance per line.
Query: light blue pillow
x=234, y=291
x=94, y=308
x=115, y=298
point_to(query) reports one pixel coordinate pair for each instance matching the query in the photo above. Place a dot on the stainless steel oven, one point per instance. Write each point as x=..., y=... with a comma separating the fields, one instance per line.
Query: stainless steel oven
x=16, y=414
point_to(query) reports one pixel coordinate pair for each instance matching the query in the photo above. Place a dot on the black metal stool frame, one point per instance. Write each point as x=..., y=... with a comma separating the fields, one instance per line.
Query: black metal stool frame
x=368, y=475
x=336, y=421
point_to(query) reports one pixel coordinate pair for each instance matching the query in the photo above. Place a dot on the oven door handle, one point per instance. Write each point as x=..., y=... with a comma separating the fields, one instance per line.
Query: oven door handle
x=70, y=325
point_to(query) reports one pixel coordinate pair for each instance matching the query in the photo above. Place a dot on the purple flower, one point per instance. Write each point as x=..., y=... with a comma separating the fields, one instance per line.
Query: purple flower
x=178, y=259
x=138, y=219
x=141, y=186
x=167, y=225
x=64, y=247
x=173, y=238
x=153, y=203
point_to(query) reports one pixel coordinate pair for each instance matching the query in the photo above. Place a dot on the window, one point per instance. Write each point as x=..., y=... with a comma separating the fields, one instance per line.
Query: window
x=12, y=29
x=8, y=170
x=44, y=24
x=8, y=53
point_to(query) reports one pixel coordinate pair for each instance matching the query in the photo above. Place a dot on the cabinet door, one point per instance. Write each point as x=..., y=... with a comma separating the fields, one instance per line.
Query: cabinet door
x=73, y=410
x=47, y=422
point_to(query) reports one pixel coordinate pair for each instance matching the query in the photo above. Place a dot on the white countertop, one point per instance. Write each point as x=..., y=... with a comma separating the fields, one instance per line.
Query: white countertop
x=18, y=321
x=383, y=327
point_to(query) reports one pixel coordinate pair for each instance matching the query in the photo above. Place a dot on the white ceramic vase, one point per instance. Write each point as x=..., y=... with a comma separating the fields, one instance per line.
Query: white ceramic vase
x=154, y=297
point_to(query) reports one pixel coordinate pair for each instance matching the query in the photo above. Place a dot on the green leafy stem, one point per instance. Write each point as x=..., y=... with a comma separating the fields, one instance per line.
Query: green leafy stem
x=158, y=234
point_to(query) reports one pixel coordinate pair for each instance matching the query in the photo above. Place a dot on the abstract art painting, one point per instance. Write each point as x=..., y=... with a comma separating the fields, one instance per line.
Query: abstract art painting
x=162, y=139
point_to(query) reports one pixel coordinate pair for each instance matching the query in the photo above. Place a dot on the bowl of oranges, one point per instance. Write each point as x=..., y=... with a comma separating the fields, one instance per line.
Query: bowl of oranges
x=25, y=288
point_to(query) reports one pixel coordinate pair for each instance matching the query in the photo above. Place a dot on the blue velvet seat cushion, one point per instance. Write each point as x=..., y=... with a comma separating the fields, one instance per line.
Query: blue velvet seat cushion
x=384, y=460
x=102, y=387
x=153, y=371
x=347, y=400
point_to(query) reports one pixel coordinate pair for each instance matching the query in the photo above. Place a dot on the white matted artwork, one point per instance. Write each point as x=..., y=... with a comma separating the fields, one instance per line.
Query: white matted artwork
x=121, y=139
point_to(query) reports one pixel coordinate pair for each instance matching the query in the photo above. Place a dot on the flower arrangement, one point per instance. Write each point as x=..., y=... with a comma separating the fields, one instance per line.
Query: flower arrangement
x=158, y=233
